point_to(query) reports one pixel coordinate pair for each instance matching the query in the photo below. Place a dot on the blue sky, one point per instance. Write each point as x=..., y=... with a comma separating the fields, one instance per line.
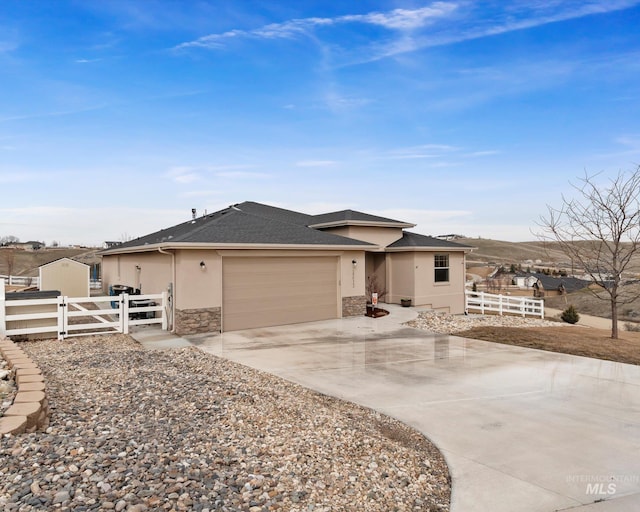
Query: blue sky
x=118, y=117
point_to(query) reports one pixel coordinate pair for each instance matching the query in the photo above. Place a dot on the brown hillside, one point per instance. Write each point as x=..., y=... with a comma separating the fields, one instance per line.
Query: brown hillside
x=26, y=263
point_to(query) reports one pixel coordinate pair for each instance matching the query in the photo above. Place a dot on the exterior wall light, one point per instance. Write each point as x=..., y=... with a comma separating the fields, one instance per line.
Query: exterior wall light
x=203, y=265
x=138, y=268
x=354, y=262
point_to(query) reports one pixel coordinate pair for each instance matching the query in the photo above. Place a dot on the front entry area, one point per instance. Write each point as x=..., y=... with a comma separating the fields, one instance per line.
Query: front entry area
x=265, y=291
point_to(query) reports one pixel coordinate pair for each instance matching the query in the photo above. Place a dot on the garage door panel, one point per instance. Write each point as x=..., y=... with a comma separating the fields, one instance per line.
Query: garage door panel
x=261, y=291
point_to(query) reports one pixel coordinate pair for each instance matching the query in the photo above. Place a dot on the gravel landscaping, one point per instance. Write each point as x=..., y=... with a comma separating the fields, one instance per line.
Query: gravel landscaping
x=442, y=323
x=184, y=430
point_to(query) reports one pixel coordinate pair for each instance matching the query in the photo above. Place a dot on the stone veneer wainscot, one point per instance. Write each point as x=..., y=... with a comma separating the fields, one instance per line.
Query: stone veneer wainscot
x=195, y=321
x=354, y=306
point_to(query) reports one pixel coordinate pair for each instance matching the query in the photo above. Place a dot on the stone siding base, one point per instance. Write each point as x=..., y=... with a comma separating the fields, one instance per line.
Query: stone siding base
x=196, y=321
x=354, y=306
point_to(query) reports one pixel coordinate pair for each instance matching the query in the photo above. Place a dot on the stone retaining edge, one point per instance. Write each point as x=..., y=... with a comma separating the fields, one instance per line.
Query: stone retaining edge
x=30, y=409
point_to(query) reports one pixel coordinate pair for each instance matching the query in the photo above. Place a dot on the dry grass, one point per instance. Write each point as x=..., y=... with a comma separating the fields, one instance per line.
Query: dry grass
x=579, y=341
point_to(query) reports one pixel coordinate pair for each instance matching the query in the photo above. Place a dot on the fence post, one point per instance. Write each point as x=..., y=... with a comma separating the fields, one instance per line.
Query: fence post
x=165, y=323
x=62, y=317
x=542, y=309
x=3, y=311
x=482, y=302
x=523, y=307
x=500, y=304
x=124, y=313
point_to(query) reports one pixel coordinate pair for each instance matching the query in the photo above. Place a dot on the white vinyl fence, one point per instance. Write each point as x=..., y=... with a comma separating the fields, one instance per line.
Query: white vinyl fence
x=94, y=284
x=64, y=317
x=503, y=304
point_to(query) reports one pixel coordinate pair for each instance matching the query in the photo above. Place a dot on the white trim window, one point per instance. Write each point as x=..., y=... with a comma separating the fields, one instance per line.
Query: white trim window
x=441, y=268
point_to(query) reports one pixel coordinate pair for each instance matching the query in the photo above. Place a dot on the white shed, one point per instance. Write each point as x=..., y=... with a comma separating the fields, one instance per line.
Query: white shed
x=69, y=277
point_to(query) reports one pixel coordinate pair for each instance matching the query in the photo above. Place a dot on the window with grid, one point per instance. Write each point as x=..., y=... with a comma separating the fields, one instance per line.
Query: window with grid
x=441, y=266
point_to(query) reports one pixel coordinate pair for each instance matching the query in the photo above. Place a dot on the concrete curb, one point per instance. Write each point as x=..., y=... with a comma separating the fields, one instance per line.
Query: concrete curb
x=30, y=409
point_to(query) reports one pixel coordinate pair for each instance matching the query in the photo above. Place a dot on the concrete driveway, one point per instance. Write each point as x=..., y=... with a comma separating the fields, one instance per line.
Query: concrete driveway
x=521, y=429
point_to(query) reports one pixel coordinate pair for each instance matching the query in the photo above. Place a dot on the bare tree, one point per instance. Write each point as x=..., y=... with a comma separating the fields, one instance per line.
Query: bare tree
x=600, y=230
x=8, y=257
x=8, y=240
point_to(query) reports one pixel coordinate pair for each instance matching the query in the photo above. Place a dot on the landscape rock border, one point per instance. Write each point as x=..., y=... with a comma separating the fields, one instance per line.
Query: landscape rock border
x=30, y=409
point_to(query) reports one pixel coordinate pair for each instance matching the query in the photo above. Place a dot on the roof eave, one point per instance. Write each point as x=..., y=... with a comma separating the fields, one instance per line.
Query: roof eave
x=429, y=249
x=365, y=223
x=193, y=246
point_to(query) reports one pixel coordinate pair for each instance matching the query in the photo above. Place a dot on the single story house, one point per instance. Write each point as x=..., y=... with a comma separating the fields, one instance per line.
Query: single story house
x=253, y=265
x=543, y=284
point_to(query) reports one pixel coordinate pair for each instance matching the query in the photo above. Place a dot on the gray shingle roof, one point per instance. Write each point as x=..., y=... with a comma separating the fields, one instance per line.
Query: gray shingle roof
x=353, y=215
x=235, y=225
x=571, y=284
x=416, y=240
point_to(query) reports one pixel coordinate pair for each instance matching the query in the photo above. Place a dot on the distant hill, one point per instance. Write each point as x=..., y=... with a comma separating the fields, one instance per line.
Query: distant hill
x=26, y=263
x=501, y=252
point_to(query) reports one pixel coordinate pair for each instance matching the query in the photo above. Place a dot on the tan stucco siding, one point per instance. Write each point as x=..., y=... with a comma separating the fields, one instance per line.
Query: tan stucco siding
x=153, y=276
x=352, y=277
x=446, y=296
x=69, y=277
x=197, y=287
x=375, y=235
x=400, y=276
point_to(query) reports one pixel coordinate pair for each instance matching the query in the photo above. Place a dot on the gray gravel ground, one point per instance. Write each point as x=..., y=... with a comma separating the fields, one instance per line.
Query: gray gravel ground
x=443, y=323
x=183, y=430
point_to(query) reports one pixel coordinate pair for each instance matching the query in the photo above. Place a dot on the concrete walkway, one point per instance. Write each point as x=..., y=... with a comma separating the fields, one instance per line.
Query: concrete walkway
x=521, y=429
x=153, y=338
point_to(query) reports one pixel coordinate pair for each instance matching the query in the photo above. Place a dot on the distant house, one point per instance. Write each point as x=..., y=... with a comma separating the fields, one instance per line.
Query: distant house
x=253, y=265
x=543, y=284
x=28, y=246
x=110, y=245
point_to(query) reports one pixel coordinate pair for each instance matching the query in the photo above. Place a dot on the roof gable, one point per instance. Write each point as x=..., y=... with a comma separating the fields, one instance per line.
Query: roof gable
x=354, y=217
x=59, y=260
x=417, y=241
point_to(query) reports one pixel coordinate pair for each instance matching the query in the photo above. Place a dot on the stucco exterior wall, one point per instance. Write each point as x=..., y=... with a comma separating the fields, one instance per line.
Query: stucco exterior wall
x=198, y=288
x=375, y=235
x=400, y=276
x=410, y=275
x=154, y=275
x=198, y=291
x=69, y=277
x=447, y=296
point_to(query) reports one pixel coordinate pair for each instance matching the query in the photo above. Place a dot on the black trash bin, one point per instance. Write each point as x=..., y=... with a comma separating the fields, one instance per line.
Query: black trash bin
x=141, y=303
x=118, y=289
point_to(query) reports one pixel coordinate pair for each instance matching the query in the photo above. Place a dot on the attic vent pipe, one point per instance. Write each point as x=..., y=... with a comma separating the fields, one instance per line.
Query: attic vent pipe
x=193, y=213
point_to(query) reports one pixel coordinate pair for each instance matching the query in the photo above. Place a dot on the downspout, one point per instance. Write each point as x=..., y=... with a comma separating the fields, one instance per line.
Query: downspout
x=173, y=287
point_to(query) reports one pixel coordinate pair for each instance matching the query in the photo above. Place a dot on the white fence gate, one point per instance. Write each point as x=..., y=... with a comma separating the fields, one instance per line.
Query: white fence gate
x=80, y=316
x=503, y=304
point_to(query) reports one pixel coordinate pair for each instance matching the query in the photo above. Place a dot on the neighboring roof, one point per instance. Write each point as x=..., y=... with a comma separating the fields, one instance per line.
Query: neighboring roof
x=355, y=218
x=415, y=241
x=238, y=225
x=571, y=284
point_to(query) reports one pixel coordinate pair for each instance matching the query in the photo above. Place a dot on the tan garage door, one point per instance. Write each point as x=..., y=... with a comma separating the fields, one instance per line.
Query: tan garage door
x=262, y=291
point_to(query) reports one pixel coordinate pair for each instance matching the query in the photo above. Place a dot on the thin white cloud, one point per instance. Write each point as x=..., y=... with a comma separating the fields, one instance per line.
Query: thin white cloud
x=397, y=19
x=438, y=24
x=186, y=174
x=422, y=151
x=315, y=163
x=630, y=144
x=52, y=114
x=183, y=175
x=241, y=175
